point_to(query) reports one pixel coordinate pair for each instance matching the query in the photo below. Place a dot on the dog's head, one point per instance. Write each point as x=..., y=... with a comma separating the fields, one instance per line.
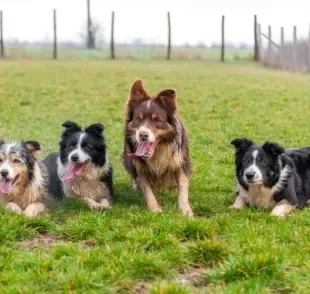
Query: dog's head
x=255, y=164
x=17, y=164
x=80, y=147
x=150, y=120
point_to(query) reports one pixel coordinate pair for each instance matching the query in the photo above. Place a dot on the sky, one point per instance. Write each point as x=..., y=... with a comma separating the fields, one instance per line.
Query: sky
x=193, y=21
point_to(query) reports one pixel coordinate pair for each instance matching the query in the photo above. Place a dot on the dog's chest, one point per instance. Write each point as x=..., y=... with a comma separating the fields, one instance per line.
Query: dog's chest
x=260, y=196
x=84, y=188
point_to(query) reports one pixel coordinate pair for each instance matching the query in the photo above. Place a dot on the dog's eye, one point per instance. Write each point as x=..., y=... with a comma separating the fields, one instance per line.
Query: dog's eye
x=1, y=160
x=70, y=145
x=16, y=161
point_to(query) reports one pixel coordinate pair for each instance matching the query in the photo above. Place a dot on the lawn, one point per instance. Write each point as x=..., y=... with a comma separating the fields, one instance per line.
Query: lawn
x=128, y=249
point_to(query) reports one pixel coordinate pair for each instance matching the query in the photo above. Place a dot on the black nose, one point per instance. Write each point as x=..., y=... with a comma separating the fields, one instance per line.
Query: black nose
x=74, y=157
x=4, y=173
x=250, y=174
x=143, y=135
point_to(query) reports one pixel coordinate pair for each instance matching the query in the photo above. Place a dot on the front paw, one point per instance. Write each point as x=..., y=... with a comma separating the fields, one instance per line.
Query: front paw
x=13, y=207
x=235, y=206
x=155, y=209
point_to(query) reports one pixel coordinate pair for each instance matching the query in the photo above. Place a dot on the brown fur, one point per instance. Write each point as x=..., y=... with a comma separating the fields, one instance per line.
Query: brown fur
x=169, y=166
x=26, y=197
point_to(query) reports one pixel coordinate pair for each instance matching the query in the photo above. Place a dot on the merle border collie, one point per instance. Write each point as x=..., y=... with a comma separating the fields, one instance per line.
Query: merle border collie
x=23, y=178
x=81, y=168
x=156, y=148
x=268, y=178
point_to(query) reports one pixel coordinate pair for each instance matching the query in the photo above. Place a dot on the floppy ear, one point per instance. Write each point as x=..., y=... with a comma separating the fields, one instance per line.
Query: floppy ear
x=168, y=99
x=32, y=147
x=273, y=148
x=242, y=144
x=137, y=93
x=95, y=129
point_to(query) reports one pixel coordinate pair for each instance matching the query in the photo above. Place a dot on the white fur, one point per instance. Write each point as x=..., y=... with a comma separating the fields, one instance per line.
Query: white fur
x=6, y=166
x=148, y=104
x=283, y=208
x=285, y=172
x=83, y=156
x=151, y=138
x=239, y=203
x=258, y=177
x=34, y=209
x=38, y=179
x=13, y=207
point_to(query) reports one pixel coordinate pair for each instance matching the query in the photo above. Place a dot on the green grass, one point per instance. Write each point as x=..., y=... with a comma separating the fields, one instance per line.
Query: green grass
x=73, y=250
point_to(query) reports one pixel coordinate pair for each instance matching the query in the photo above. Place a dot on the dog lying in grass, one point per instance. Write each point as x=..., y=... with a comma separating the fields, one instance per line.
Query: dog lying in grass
x=268, y=177
x=156, y=151
x=23, y=178
x=81, y=168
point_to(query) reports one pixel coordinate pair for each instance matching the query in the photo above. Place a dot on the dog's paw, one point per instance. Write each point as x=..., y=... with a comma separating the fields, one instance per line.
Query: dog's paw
x=155, y=209
x=96, y=206
x=13, y=207
x=282, y=210
x=105, y=204
x=236, y=207
x=187, y=212
x=33, y=209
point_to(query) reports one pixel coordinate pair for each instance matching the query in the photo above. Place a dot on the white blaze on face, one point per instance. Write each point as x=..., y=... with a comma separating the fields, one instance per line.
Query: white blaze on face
x=83, y=156
x=253, y=168
x=143, y=130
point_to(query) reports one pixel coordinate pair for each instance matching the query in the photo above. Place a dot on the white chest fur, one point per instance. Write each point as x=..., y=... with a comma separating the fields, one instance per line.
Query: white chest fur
x=258, y=196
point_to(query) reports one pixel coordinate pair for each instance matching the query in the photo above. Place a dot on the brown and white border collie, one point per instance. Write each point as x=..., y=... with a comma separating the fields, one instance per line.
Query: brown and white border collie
x=156, y=151
x=23, y=178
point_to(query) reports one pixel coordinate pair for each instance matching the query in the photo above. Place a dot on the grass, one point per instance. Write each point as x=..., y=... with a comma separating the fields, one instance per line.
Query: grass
x=128, y=249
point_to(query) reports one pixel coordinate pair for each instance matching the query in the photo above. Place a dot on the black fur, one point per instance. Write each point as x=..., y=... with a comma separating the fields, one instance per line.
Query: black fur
x=270, y=161
x=92, y=144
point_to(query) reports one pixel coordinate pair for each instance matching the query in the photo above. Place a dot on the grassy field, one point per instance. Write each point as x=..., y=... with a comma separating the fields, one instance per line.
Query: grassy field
x=128, y=249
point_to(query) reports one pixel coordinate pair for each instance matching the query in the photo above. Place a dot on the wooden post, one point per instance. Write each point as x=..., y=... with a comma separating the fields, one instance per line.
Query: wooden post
x=1, y=35
x=223, y=39
x=90, y=36
x=256, y=48
x=55, y=35
x=309, y=50
x=169, y=37
x=294, y=47
x=112, y=36
x=282, y=49
x=259, y=40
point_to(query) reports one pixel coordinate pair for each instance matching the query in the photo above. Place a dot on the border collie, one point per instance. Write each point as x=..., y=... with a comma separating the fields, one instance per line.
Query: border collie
x=81, y=168
x=156, y=151
x=23, y=178
x=267, y=178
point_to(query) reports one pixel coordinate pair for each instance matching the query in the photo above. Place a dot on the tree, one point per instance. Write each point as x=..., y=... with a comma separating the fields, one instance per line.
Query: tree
x=93, y=36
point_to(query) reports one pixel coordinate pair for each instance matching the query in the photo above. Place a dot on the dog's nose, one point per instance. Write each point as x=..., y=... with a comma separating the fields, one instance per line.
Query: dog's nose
x=250, y=174
x=4, y=173
x=143, y=135
x=75, y=157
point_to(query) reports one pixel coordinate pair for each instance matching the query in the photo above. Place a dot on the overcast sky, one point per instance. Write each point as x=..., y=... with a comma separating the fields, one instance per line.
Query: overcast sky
x=193, y=21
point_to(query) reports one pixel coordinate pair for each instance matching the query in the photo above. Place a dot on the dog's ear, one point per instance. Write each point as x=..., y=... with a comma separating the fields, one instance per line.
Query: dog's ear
x=137, y=93
x=32, y=147
x=273, y=148
x=242, y=144
x=95, y=129
x=168, y=99
x=71, y=127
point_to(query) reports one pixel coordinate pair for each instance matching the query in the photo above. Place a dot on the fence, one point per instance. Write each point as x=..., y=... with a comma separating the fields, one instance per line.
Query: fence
x=222, y=50
x=290, y=55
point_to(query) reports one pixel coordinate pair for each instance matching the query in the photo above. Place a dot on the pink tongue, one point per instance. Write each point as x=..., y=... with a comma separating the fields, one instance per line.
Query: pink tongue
x=143, y=149
x=73, y=169
x=6, y=186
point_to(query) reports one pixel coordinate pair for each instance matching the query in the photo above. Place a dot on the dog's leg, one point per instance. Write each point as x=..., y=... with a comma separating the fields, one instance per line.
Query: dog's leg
x=33, y=209
x=105, y=203
x=183, y=200
x=239, y=203
x=13, y=207
x=135, y=185
x=150, y=199
x=283, y=208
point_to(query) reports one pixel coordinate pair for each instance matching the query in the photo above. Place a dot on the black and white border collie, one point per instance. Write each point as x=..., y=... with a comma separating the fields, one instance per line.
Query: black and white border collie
x=81, y=169
x=267, y=178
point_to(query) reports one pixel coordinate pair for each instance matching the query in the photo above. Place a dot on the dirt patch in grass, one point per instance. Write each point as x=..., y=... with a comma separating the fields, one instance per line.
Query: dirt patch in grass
x=42, y=241
x=191, y=277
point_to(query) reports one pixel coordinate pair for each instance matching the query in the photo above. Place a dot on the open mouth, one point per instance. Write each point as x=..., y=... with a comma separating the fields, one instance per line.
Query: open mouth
x=74, y=170
x=144, y=150
x=6, y=185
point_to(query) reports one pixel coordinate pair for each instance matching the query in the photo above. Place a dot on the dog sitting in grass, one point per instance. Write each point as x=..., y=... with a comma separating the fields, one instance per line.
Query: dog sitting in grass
x=156, y=152
x=81, y=168
x=23, y=178
x=268, y=177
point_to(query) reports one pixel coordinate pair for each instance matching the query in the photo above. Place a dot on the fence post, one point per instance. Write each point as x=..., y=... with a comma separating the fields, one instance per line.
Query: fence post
x=169, y=37
x=259, y=41
x=112, y=36
x=294, y=47
x=256, y=48
x=309, y=50
x=223, y=39
x=282, y=49
x=55, y=34
x=1, y=35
